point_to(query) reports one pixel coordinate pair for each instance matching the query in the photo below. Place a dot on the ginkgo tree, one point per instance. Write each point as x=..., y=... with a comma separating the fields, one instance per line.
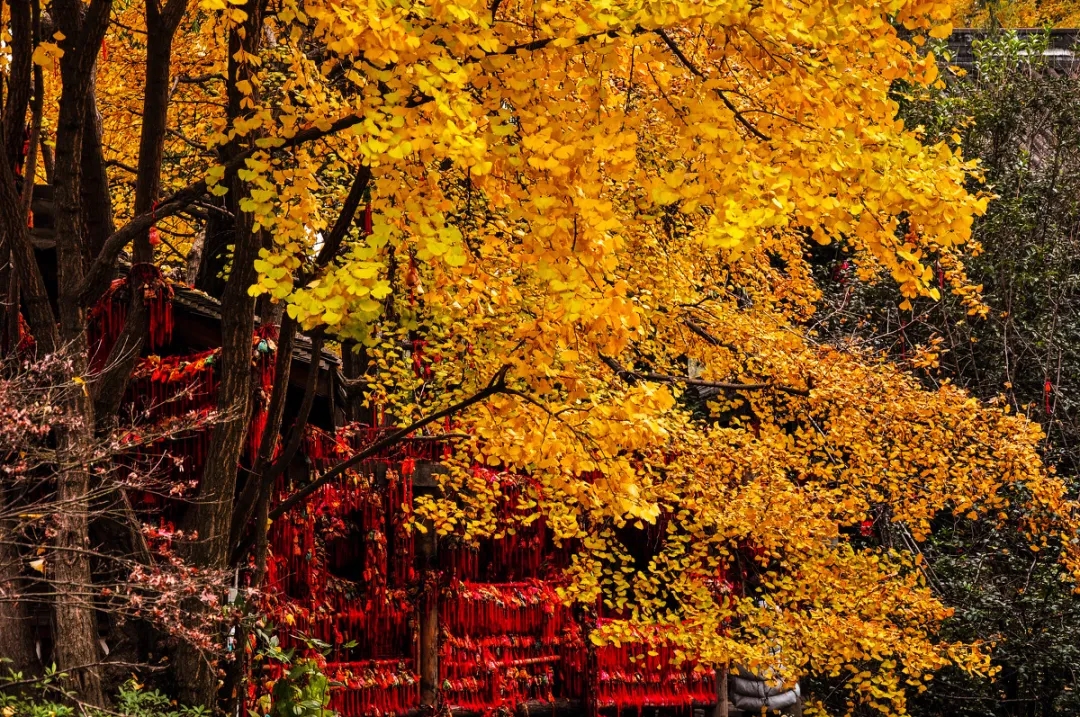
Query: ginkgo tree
x=593, y=216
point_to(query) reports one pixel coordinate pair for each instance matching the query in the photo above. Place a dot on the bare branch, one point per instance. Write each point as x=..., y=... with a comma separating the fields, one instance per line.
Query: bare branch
x=633, y=377
x=496, y=386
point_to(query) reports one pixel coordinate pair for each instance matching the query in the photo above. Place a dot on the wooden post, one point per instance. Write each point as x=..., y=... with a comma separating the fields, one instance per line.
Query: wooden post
x=721, y=692
x=426, y=551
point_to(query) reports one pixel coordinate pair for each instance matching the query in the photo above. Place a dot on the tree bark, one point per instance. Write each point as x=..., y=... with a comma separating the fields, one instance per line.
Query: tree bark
x=18, y=96
x=97, y=211
x=428, y=618
x=16, y=636
x=354, y=364
x=249, y=496
x=161, y=25
x=48, y=160
x=15, y=242
x=14, y=237
x=161, y=30
x=76, y=649
x=211, y=516
x=76, y=644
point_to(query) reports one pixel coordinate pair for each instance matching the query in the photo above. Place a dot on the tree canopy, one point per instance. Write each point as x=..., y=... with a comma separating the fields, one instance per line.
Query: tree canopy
x=593, y=227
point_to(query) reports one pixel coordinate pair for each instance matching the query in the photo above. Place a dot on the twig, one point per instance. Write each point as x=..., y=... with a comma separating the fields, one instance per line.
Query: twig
x=632, y=377
x=496, y=386
x=675, y=50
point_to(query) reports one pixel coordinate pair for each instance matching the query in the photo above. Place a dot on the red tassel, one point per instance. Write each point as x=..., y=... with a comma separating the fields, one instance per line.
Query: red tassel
x=1047, y=390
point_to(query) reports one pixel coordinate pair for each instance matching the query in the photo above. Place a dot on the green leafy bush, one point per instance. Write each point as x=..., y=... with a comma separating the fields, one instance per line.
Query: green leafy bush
x=46, y=697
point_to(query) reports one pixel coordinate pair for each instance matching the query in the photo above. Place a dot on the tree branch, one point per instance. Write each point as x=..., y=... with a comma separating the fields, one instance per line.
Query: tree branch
x=675, y=50
x=345, y=219
x=497, y=385
x=199, y=79
x=633, y=377
x=296, y=433
x=700, y=330
x=100, y=272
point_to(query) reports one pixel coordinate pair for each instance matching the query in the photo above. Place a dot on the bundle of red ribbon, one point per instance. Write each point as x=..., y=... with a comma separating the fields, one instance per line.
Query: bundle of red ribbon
x=645, y=673
x=108, y=316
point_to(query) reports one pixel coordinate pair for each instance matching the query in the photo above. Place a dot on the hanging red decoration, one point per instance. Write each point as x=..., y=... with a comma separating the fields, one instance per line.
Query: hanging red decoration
x=367, y=220
x=643, y=674
x=27, y=344
x=107, y=317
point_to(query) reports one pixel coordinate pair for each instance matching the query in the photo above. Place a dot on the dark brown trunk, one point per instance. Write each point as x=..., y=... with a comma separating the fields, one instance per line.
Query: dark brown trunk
x=296, y=435
x=275, y=413
x=160, y=33
x=76, y=645
x=18, y=96
x=97, y=211
x=211, y=516
x=9, y=312
x=161, y=30
x=76, y=649
x=354, y=364
x=16, y=635
x=48, y=160
x=15, y=242
x=213, y=513
x=36, y=114
x=14, y=238
x=723, y=709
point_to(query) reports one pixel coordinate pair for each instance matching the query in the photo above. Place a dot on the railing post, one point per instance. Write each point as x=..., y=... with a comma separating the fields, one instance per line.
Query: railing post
x=426, y=551
x=721, y=692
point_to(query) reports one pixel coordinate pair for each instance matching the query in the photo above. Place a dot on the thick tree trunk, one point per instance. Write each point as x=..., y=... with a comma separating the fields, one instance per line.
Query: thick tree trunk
x=76, y=645
x=14, y=238
x=15, y=242
x=18, y=96
x=211, y=517
x=16, y=635
x=17, y=641
x=161, y=30
x=253, y=485
x=97, y=208
x=161, y=26
x=77, y=651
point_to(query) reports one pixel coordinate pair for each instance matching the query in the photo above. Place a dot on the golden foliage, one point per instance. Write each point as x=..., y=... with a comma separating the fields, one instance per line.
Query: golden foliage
x=567, y=187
